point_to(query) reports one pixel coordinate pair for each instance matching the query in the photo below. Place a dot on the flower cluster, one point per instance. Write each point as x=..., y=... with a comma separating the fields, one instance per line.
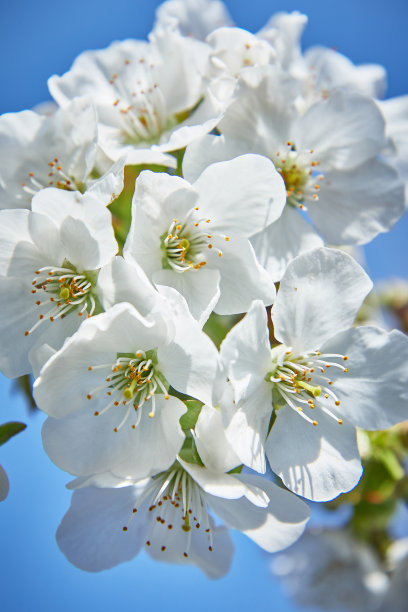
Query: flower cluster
x=250, y=161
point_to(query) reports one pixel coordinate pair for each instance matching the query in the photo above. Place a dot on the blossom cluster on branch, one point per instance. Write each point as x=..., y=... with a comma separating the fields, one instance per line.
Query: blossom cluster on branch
x=170, y=276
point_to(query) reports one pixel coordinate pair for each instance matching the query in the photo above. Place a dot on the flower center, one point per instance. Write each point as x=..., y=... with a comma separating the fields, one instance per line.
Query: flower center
x=143, y=115
x=63, y=291
x=54, y=176
x=133, y=380
x=177, y=505
x=184, y=244
x=299, y=175
x=302, y=381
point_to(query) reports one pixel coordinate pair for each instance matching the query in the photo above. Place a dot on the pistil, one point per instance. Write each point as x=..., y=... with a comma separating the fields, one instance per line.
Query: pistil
x=132, y=381
x=66, y=290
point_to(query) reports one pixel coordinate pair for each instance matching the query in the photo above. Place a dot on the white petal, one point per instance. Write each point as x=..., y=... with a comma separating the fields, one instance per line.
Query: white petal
x=185, y=134
x=355, y=205
x=212, y=554
x=90, y=534
x=260, y=115
x=274, y=527
x=343, y=131
x=84, y=444
x=190, y=361
x=282, y=241
x=208, y=150
x=374, y=391
x=246, y=426
x=241, y=196
x=156, y=442
x=39, y=356
x=60, y=205
x=246, y=351
x=14, y=228
x=125, y=281
x=226, y=486
x=18, y=315
x=81, y=249
x=110, y=184
x=213, y=448
x=319, y=295
x=200, y=289
x=243, y=279
x=318, y=462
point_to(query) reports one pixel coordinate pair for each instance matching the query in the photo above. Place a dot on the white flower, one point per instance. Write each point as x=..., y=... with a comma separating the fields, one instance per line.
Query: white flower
x=195, y=18
x=327, y=158
x=108, y=390
x=169, y=515
x=150, y=515
x=195, y=237
x=302, y=387
x=60, y=150
x=332, y=570
x=145, y=94
x=330, y=70
x=49, y=261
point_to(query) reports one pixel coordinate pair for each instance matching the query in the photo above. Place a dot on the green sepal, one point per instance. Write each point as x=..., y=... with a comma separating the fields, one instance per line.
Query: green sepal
x=189, y=452
x=164, y=259
x=189, y=419
x=8, y=430
x=277, y=400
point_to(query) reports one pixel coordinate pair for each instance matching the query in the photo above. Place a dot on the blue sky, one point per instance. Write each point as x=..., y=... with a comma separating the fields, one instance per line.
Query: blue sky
x=38, y=39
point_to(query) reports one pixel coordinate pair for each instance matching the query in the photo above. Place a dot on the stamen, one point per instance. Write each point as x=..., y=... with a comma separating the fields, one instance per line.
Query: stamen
x=300, y=378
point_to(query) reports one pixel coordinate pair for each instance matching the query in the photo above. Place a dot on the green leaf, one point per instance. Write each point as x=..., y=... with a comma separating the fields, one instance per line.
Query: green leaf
x=189, y=419
x=8, y=430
